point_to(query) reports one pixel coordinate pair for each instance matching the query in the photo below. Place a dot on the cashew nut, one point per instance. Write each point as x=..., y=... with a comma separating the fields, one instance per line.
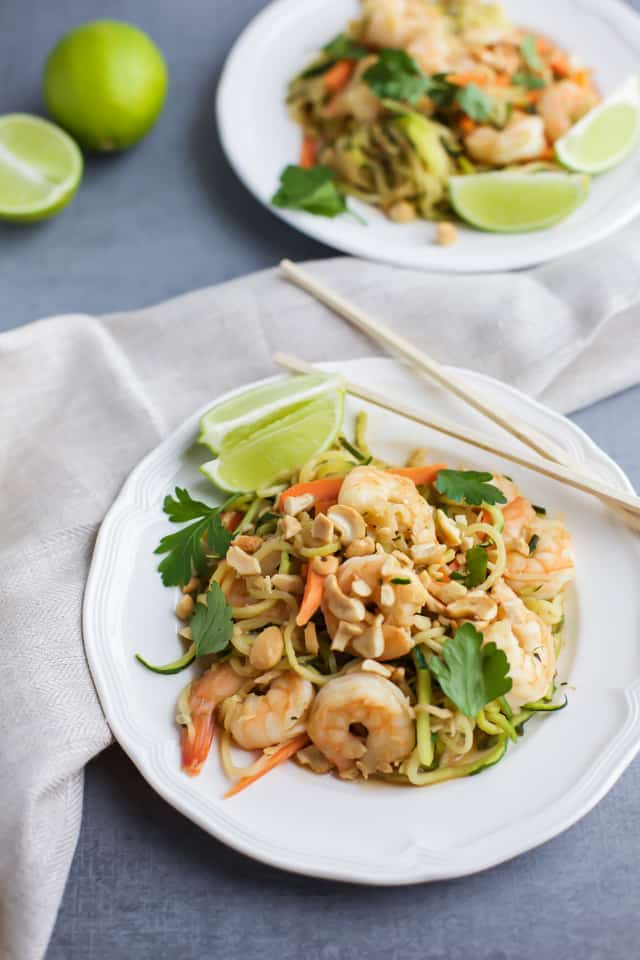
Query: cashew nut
x=295, y=505
x=343, y=635
x=476, y=605
x=447, y=529
x=361, y=548
x=267, y=649
x=325, y=565
x=288, y=527
x=247, y=543
x=447, y=592
x=348, y=522
x=341, y=606
x=288, y=582
x=242, y=562
x=322, y=528
x=370, y=644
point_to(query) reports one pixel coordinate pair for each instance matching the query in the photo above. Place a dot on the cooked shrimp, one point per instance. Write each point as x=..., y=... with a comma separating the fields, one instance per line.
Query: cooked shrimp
x=362, y=722
x=539, y=551
x=389, y=503
x=278, y=715
x=522, y=139
x=563, y=104
x=196, y=716
x=414, y=26
x=528, y=644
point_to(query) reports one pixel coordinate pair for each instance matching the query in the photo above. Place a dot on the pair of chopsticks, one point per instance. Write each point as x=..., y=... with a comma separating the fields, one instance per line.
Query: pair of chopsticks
x=553, y=463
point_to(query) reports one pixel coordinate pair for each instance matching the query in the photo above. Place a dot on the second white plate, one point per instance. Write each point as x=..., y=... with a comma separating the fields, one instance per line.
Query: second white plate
x=260, y=139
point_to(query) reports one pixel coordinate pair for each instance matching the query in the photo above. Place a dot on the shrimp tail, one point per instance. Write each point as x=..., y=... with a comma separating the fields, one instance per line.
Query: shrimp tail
x=195, y=743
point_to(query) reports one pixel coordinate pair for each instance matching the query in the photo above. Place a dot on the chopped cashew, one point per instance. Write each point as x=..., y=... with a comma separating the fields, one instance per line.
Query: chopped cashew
x=295, y=505
x=447, y=592
x=325, y=565
x=361, y=548
x=242, y=562
x=370, y=644
x=311, y=638
x=340, y=605
x=247, y=543
x=476, y=605
x=361, y=588
x=288, y=582
x=447, y=529
x=184, y=607
x=348, y=523
x=344, y=635
x=322, y=528
x=446, y=233
x=267, y=649
x=288, y=527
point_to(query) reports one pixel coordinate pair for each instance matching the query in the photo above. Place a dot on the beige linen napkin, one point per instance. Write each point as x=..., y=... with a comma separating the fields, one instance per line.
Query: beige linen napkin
x=84, y=398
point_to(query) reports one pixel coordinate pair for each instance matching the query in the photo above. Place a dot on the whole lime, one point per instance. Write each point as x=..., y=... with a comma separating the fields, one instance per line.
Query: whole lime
x=106, y=83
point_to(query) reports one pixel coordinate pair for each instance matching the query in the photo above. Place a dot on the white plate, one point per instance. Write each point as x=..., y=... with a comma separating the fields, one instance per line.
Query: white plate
x=376, y=833
x=260, y=140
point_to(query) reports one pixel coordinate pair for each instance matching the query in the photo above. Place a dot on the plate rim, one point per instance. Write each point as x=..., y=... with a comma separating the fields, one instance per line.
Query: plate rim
x=615, y=11
x=284, y=858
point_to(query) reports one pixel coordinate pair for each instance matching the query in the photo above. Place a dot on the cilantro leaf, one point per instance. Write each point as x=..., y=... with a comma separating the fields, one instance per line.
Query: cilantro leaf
x=476, y=571
x=471, y=486
x=312, y=190
x=212, y=623
x=441, y=91
x=343, y=47
x=475, y=102
x=185, y=550
x=529, y=51
x=396, y=76
x=471, y=675
x=530, y=81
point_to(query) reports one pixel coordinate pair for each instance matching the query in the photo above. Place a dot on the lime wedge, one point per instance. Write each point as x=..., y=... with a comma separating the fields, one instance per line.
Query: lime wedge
x=280, y=447
x=606, y=135
x=40, y=168
x=237, y=418
x=517, y=202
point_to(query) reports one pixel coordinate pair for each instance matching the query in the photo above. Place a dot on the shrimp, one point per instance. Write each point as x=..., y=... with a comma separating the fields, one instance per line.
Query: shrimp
x=389, y=503
x=196, y=713
x=528, y=644
x=539, y=551
x=414, y=26
x=562, y=104
x=522, y=139
x=362, y=722
x=277, y=716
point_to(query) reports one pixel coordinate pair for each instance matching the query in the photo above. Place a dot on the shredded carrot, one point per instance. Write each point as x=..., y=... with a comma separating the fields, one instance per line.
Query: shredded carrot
x=420, y=475
x=338, y=76
x=326, y=489
x=467, y=125
x=533, y=96
x=464, y=79
x=559, y=63
x=283, y=753
x=312, y=597
x=230, y=519
x=308, y=152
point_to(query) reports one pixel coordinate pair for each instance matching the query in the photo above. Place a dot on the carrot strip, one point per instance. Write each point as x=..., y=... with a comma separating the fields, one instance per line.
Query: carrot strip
x=326, y=489
x=543, y=45
x=338, y=76
x=533, y=96
x=464, y=79
x=582, y=78
x=420, y=475
x=311, y=598
x=283, y=753
x=308, y=152
x=467, y=125
x=230, y=519
x=559, y=63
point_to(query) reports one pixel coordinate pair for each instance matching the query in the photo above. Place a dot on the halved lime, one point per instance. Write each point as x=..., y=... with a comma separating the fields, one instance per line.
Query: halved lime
x=278, y=449
x=606, y=135
x=40, y=168
x=517, y=202
x=240, y=416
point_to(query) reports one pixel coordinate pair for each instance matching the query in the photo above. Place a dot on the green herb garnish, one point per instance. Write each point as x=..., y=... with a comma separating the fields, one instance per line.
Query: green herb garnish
x=341, y=47
x=471, y=675
x=541, y=511
x=396, y=76
x=530, y=81
x=185, y=549
x=401, y=580
x=533, y=543
x=212, y=623
x=476, y=569
x=530, y=55
x=475, y=102
x=358, y=454
x=470, y=486
x=313, y=190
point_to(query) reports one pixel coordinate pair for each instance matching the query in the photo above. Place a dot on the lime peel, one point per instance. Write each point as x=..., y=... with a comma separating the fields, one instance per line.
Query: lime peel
x=513, y=202
x=606, y=135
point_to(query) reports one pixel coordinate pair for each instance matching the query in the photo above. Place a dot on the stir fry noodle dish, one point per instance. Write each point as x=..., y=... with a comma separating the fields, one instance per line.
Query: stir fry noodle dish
x=366, y=619
x=416, y=92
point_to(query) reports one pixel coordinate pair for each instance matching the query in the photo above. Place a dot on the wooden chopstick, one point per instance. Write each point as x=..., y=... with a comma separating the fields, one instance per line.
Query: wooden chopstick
x=558, y=472
x=427, y=367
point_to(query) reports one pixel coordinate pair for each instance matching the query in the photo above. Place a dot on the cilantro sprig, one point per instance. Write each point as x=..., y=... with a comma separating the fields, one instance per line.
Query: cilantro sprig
x=396, y=76
x=341, y=47
x=470, y=486
x=475, y=573
x=185, y=550
x=475, y=102
x=212, y=623
x=313, y=190
x=471, y=675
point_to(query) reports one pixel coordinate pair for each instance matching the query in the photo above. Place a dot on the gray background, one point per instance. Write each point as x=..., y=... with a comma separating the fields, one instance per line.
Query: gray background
x=145, y=883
